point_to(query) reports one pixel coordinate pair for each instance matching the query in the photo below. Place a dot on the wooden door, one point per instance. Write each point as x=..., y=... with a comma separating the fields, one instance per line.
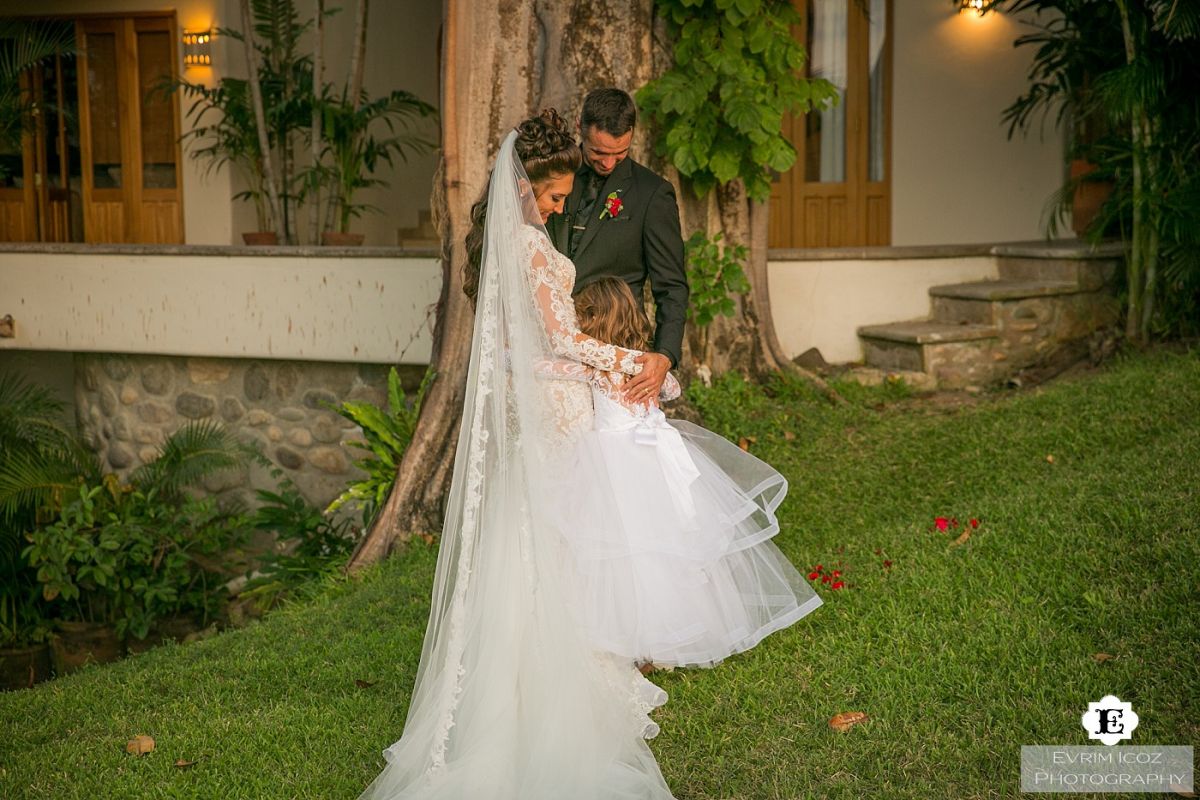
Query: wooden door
x=129, y=131
x=838, y=194
x=35, y=179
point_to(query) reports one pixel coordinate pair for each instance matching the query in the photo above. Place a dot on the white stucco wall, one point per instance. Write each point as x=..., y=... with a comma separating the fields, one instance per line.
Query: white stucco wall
x=956, y=178
x=822, y=304
x=377, y=309
x=314, y=308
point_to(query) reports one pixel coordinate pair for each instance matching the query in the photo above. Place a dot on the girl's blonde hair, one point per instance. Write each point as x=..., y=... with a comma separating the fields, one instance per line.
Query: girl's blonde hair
x=607, y=311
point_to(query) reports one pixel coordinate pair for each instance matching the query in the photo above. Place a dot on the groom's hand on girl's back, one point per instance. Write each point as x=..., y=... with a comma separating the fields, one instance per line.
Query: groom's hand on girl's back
x=647, y=384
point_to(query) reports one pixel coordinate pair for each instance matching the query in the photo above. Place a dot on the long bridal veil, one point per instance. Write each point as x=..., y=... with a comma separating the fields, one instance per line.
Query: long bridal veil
x=510, y=701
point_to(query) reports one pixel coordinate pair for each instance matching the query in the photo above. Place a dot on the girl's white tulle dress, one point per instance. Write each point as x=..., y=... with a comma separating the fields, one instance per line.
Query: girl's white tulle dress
x=670, y=526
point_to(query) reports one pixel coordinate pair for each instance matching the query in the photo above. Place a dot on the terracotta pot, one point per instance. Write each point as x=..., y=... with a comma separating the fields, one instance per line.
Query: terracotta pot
x=335, y=239
x=1089, y=197
x=22, y=667
x=258, y=238
x=79, y=643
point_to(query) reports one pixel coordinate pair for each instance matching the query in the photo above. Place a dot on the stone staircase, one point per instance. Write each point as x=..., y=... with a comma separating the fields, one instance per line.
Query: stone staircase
x=423, y=236
x=1049, y=296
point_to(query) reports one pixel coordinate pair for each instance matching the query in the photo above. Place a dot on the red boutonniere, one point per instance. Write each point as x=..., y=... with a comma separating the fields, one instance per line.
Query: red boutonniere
x=612, y=206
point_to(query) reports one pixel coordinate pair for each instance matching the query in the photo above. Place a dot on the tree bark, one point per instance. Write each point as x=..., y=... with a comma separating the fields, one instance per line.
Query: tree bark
x=260, y=124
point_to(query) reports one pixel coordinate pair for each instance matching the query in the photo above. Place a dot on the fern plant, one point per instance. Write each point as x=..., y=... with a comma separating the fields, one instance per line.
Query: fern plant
x=388, y=432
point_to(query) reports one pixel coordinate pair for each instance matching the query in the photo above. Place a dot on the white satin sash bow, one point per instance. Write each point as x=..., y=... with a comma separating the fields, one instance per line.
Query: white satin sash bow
x=678, y=468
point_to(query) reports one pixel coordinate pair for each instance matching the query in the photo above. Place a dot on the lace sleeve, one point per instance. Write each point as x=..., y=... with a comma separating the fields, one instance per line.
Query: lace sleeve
x=558, y=312
x=564, y=371
x=670, y=388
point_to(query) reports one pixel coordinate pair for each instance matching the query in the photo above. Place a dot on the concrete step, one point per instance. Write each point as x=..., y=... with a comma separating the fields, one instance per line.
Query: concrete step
x=1065, y=260
x=988, y=302
x=923, y=331
x=954, y=355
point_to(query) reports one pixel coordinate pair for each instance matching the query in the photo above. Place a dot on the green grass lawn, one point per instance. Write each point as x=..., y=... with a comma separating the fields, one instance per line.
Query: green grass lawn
x=959, y=654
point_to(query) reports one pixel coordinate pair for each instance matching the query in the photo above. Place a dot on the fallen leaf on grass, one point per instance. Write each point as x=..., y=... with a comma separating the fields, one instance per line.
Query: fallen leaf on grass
x=962, y=538
x=789, y=436
x=427, y=538
x=846, y=720
x=746, y=441
x=139, y=745
x=360, y=683
x=1049, y=459
x=183, y=764
x=1100, y=658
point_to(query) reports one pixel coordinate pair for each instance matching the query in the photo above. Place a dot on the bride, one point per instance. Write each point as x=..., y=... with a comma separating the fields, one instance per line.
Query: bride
x=511, y=701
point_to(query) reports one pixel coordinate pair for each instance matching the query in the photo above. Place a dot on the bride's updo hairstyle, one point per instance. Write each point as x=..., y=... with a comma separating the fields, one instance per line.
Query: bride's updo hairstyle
x=547, y=149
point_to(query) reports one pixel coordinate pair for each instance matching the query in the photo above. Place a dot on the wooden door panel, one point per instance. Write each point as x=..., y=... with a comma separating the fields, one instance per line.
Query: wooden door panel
x=837, y=194
x=160, y=222
x=15, y=225
x=129, y=131
x=105, y=221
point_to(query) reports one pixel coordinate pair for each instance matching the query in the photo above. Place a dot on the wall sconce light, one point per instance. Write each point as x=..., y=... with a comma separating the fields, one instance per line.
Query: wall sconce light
x=980, y=7
x=197, y=48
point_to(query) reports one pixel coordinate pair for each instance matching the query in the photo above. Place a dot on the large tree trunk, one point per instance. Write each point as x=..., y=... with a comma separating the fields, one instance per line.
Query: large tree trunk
x=500, y=65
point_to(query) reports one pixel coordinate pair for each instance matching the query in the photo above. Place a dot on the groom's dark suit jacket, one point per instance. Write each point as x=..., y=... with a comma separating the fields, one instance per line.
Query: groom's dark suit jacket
x=642, y=241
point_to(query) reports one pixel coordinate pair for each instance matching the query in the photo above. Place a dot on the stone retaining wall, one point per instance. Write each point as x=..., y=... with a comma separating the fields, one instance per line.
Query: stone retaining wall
x=126, y=405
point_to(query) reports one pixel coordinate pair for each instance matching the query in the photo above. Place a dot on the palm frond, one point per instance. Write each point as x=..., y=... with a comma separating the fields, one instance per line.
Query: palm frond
x=193, y=452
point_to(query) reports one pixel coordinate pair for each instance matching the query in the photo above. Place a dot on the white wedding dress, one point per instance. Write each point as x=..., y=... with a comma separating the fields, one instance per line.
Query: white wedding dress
x=669, y=526
x=512, y=700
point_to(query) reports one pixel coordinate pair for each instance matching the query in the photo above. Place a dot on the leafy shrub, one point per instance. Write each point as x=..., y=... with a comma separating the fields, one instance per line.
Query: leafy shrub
x=387, y=433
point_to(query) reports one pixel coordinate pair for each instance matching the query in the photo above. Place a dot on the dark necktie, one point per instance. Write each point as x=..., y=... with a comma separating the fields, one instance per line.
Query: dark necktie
x=587, y=204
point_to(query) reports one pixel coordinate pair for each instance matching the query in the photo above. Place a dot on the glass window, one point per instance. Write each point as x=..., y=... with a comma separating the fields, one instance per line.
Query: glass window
x=825, y=131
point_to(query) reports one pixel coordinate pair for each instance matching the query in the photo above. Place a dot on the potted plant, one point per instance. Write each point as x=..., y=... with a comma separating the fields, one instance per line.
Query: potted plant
x=226, y=116
x=223, y=133
x=39, y=460
x=357, y=139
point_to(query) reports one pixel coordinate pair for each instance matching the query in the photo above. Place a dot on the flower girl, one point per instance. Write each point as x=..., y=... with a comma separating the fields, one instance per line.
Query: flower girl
x=669, y=524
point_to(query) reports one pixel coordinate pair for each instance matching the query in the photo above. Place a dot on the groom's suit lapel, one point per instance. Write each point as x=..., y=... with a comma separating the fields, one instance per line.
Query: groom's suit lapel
x=618, y=181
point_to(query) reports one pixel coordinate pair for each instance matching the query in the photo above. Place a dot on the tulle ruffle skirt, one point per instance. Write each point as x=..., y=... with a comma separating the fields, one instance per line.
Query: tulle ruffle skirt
x=671, y=533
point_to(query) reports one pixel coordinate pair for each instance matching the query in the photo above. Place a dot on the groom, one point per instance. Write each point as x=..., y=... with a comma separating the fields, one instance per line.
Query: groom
x=621, y=220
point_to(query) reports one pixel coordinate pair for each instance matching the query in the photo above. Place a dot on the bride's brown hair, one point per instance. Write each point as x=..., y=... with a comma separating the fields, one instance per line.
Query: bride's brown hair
x=608, y=311
x=547, y=149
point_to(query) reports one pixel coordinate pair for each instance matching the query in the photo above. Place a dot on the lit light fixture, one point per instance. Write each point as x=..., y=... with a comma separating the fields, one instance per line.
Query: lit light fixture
x=980, y=7
x=197, y=48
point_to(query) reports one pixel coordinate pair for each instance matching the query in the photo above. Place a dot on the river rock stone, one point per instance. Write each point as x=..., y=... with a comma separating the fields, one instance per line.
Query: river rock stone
x=116, y=367
x=257, y=416
x=129, y=395
x=287, y=378
x=208, y=370
x=328, y=459
x=314, y=398
x=157, y=378
x=153, y=412
x=300, y=437
x=291, y=413
x=327, y=429
x=256, y=383
x=232, y=409
x=108, y=401
x=288, y=458
x=119, y=455
x=195, y=406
